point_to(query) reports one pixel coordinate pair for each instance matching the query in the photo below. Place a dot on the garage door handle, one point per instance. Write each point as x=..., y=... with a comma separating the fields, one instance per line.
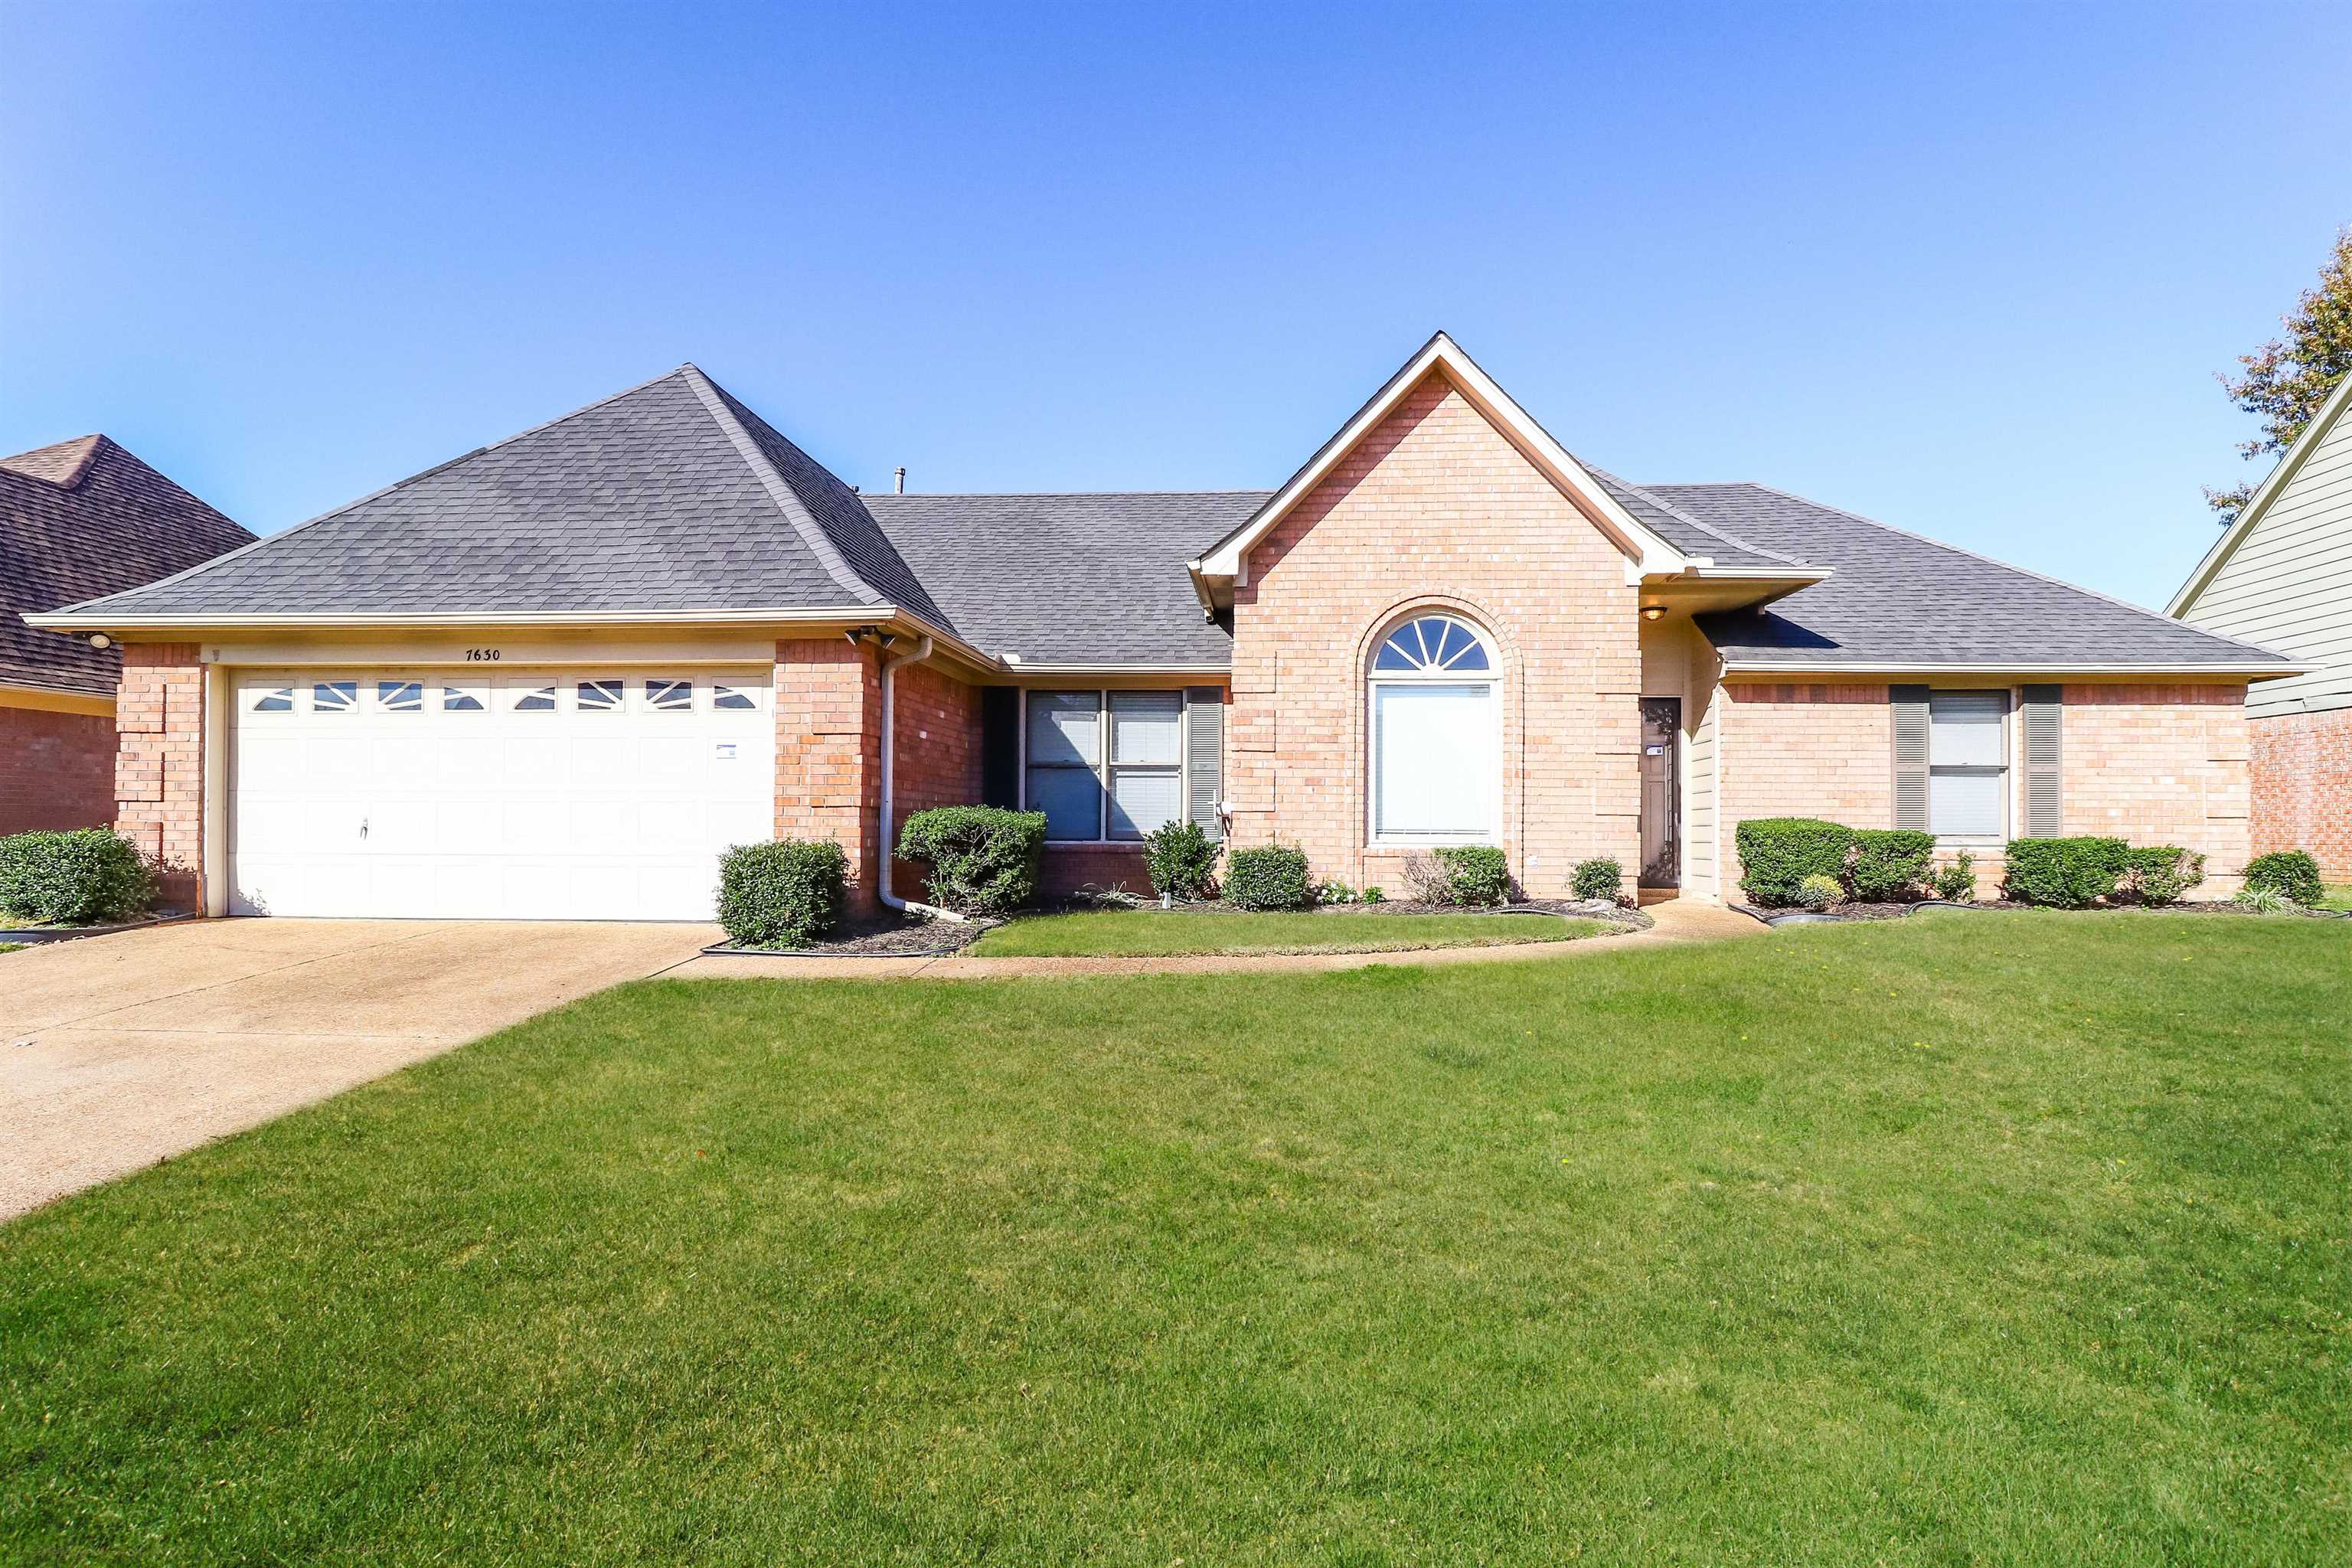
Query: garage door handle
x=364, y=822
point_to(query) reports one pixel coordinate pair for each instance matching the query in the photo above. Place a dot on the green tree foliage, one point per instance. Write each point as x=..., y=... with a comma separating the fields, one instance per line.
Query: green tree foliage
x=2288, y=378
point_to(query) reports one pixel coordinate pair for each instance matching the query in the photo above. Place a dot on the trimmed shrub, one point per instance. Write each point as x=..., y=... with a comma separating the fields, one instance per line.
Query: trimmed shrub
x=1820, y=892
x=1599, y=878
x=1889, y=863
x=1180, y=859
x=88, y=876
x=1373, y=895
x=1957, y=883
x=1778, y=853
x=2289, y=873
x=784, y=894
x=984, y=860
x=2160, y=875
x=1270, y=876
x=1466, y=876
x=2066, y=873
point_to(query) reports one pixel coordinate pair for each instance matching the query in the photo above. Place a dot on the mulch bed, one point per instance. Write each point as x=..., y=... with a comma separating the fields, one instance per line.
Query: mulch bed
x=891, y=935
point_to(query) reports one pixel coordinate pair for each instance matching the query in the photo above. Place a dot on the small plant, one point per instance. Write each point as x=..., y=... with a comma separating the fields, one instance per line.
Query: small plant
x=2263, y=900
x=86, y=877
x=1269, y=877
x=1335, y=892
x=1820, y=892
x=2290, y=873
x=2160, y=875
x=1889, y=864
x=1957, y=883
x=1373, y=895
x=1599, y=878
x=1466, y=876
x=2064, y=873
x=1777, y=853
x=784, y=894
x=984, y=860
x=1180, y=859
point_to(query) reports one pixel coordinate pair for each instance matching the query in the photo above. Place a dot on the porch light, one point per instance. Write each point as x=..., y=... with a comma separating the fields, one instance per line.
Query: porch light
x=100, y=641
x=1653, y=612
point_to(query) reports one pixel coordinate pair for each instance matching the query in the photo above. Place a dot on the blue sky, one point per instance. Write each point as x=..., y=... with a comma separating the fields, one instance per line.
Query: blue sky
x=1966, y=270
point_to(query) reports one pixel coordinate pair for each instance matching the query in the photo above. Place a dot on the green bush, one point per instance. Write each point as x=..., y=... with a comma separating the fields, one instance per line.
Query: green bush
x=2066, y=873
x=1374, y=895
x=87, y=877
x=2160, y=874
x=1818, y=892
x=984, y=860
x=1270, y=876
x=2263, y=900
x=1599, y=878
x=784, y=894
x=1889, y=863
x=2289, y=873
x=1335, y=892
x=1957, y=883
x=1466, y=876
x=1180, y=859
x=1778, y=853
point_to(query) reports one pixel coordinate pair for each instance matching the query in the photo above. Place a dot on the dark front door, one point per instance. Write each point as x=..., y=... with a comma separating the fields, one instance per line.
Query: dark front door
x=1662, y=798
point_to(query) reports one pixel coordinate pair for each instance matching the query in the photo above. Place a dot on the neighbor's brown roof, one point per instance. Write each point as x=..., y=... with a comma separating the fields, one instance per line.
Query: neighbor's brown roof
x=77, y=520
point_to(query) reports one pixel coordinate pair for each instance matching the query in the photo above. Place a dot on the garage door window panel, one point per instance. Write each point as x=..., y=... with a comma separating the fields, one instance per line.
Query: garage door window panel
x=535, y=699
x=601, y=696
x=334, y=696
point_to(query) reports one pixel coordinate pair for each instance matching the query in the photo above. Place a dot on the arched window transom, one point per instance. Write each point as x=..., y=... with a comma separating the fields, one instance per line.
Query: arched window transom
x=1436, y=751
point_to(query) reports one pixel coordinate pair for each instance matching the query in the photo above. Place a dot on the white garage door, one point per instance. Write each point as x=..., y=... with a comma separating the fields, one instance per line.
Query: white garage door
x=528, y=794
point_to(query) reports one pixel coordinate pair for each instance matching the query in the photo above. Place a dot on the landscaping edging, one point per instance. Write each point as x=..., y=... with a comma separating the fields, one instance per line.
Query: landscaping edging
x=35, y=935
x=1777, y=918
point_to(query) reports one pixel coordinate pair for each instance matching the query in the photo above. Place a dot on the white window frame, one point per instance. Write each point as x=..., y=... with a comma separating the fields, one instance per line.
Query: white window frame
x=1491, y=678
x=2010, y=772
x=1103, y=766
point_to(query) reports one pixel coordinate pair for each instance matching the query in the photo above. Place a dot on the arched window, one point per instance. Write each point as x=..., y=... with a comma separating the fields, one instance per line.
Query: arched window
x=1435, y=722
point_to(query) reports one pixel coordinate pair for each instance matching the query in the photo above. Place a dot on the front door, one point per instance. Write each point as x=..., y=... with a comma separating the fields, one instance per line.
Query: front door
x=1662, y=803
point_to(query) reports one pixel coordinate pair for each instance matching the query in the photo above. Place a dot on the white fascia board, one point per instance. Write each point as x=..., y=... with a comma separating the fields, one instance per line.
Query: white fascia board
x=1015, y=665
x=2290, y=464
x=2251, y=671
x=1229, y=558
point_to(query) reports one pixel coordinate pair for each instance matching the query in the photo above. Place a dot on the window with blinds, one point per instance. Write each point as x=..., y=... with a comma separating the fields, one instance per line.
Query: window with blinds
x=1968, y=764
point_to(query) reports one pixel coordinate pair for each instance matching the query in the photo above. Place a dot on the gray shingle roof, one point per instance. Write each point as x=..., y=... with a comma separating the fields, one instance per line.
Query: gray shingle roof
x=1686, y=533
x=668, y=496
x=80, y=518
x=1071, y=578
x=1897, y=600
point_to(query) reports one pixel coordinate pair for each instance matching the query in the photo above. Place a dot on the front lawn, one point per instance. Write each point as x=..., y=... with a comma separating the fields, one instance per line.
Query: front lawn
x=2014, y=1240
x=1127, y=934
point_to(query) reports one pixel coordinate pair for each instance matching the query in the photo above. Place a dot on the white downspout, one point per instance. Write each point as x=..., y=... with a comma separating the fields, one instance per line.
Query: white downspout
x=890, y=781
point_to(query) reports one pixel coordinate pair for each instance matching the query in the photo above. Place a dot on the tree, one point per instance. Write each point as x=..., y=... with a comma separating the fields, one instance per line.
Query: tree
x=2287, y=379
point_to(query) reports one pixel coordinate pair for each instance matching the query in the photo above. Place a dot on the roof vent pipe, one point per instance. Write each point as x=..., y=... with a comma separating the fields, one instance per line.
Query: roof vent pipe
x=899, y=487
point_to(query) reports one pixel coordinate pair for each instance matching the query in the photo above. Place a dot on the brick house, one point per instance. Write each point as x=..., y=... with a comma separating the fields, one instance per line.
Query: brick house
x=2282, y=575
x=78, y=519
x=555, y=676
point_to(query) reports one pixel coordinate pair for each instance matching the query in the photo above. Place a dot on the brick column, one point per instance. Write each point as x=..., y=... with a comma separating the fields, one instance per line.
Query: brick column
x=829, y=752
x=159, y=763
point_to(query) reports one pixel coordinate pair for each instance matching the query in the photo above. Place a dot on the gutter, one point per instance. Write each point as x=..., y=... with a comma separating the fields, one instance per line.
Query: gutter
x=2253, y=671
x=890, y=667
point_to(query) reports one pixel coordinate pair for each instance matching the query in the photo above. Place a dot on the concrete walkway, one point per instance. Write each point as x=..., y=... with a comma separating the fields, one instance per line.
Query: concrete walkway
x=1676, y=921
x=118, y=1051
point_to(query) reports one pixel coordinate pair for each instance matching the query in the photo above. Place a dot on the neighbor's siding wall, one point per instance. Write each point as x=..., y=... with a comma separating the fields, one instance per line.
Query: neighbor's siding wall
x=2161, y=765
x=1434, y=509
x=159, y=766
x=56, y=770
x=2301, y=766
x=828, y=699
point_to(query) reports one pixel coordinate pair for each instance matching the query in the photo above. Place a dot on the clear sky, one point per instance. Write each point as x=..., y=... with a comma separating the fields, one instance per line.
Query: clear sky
x=1969, y=269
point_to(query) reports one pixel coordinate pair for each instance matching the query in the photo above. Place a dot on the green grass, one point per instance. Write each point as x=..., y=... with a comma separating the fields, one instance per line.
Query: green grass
x=2005, y=1239
x=2337, y=896
x=1126, y=933
x=14, y=946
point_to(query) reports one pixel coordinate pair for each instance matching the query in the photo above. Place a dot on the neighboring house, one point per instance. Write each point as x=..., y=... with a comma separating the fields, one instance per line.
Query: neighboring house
x=557, y=674
x=78, y=519
x=2282, y=577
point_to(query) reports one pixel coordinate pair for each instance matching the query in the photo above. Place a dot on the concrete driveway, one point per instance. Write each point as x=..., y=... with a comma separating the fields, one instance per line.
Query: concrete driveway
x=117, y=1051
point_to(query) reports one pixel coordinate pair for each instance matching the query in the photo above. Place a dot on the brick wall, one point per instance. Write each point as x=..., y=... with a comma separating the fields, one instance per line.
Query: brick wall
x=1807, y=751
x=829, y=752
x=2301, y=767
x=56, y=770
x=1435, y=508
x=2162, y=764
x=1071, y=867
x=936, y=761
x=158, y=765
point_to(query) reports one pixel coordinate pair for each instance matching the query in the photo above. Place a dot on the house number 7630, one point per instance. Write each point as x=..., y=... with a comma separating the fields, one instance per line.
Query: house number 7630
x=481, y=656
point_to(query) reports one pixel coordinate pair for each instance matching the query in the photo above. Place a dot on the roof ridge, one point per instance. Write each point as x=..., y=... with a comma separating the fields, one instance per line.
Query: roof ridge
x=2156, y=616
x=75, y=471
x=780, y=491
x=329, y=516
x=1699, y=522
x=1043, y=495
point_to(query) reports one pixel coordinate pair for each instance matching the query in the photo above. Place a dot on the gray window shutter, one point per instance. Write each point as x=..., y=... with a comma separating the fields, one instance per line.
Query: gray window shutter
x=1910, y=756
x=2040, y=725
x=1205, y=757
